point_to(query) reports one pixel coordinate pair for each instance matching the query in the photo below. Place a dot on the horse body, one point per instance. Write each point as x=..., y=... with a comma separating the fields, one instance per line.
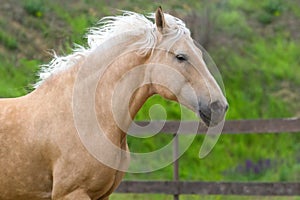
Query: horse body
x=20, y=156
x=40, y=147
x=43, y=155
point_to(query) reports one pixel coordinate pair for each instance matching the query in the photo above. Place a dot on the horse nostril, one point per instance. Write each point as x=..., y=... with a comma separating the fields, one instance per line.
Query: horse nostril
x=217, y=106
x=226, y=107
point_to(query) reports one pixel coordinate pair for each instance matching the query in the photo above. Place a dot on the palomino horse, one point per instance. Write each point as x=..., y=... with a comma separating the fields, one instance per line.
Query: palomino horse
x=42, y=153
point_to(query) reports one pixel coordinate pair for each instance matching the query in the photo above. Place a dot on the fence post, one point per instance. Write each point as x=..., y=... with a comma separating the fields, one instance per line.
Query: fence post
x=176, y=163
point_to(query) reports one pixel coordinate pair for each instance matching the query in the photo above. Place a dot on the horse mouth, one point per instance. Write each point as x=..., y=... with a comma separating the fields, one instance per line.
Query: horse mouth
x=206, y=117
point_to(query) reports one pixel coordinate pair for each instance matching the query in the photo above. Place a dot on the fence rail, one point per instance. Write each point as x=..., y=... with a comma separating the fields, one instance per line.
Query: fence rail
x=176, y=187
x=212, y=188
x=230, y=127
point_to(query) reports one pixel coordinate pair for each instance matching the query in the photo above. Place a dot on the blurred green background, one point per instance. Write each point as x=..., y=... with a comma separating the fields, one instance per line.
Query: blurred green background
x=255, y=44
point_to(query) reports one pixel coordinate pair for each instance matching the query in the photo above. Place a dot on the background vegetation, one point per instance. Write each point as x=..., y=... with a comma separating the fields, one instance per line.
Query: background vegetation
x=255, y=45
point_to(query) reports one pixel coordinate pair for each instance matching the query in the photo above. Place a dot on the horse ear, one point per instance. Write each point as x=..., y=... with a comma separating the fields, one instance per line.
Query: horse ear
x=160, y=19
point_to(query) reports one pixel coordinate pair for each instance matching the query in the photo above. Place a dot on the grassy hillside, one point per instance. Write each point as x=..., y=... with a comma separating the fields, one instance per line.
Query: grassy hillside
x=255, y=45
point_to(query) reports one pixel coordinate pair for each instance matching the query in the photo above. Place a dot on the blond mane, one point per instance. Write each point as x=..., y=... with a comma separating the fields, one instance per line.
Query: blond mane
x=108, y=28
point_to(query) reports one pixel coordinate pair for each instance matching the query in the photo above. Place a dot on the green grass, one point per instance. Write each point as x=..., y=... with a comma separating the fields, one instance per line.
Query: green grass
x=269, y=65
x=8, y=41
x=78, y=23
x=15, y=81
x=35, y=8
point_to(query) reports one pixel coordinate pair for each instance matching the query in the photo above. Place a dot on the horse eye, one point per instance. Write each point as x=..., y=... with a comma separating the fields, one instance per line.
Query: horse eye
x=181, y=57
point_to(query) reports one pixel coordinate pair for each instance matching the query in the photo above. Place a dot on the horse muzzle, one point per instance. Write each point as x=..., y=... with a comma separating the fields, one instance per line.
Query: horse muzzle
x=214, y=113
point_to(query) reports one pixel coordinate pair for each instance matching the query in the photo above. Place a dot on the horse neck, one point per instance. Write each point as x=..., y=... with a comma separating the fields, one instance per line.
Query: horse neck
x=119, y=95
x=120, y=92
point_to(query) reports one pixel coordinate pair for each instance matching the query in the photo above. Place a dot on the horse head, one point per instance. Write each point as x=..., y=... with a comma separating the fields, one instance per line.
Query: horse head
x=182, y=74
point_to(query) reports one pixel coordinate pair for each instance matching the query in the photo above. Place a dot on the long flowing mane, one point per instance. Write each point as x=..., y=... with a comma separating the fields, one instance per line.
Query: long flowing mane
x=106, y=29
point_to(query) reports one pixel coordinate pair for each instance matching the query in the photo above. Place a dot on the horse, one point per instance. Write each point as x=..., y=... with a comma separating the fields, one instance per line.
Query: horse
x=47, y=136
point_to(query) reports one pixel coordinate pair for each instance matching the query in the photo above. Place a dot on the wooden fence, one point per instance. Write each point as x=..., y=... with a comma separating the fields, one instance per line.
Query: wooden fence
x=177, y=187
